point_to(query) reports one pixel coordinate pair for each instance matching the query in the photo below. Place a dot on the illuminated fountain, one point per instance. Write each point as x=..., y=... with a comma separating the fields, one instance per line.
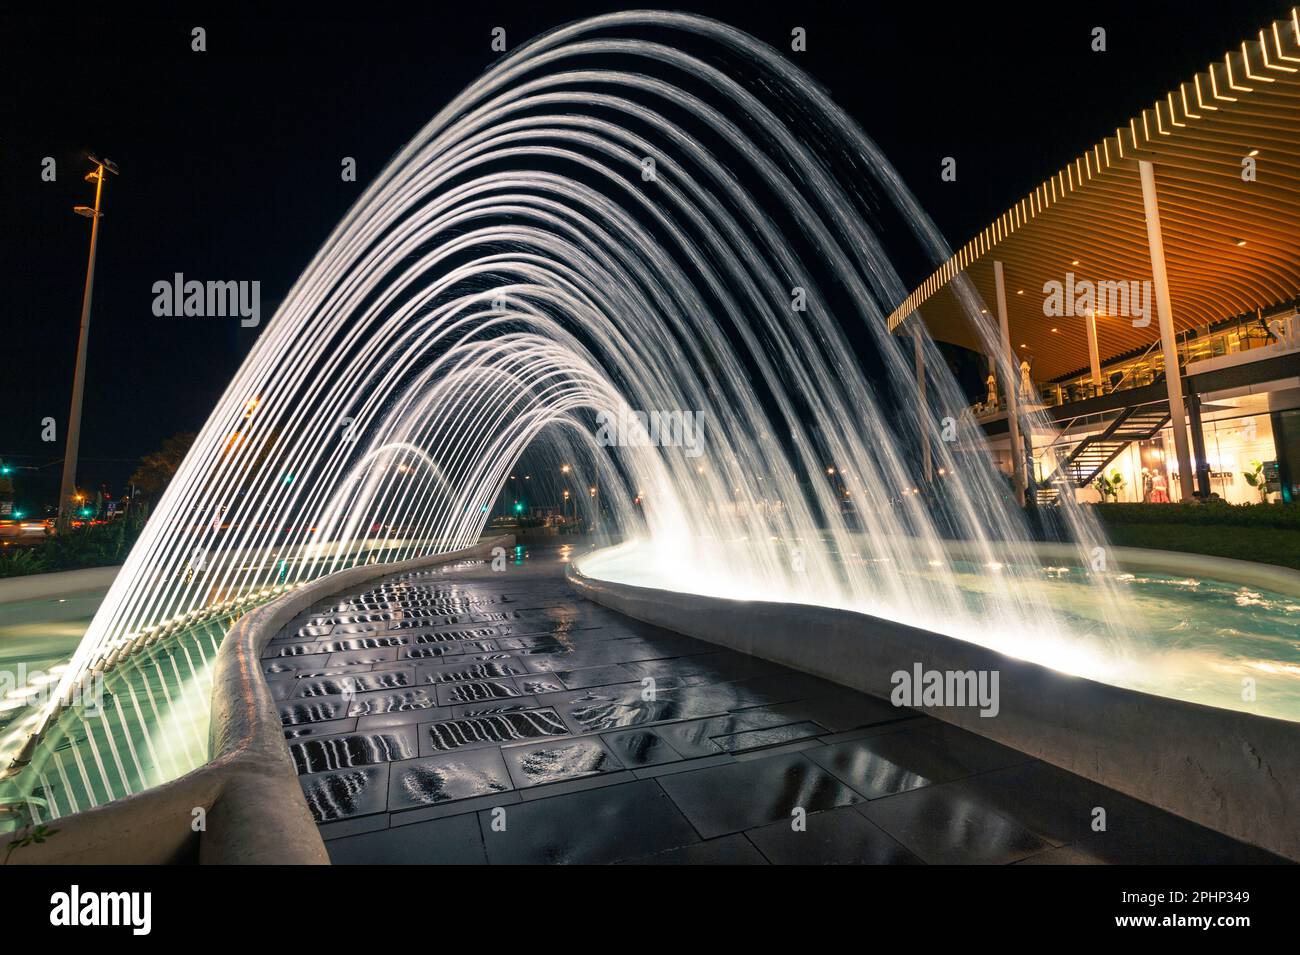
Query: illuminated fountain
x=642, y=212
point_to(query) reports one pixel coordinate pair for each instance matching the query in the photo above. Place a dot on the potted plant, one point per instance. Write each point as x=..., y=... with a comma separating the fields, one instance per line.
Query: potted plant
x=1255, y=478
x=1109, y=487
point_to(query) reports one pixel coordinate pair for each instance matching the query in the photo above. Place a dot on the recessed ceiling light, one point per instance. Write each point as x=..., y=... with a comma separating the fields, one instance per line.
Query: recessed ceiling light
x=1020, y=291
x=1075, y=262
x=1055, y=330
x=1241, y=242
x=1253, y=152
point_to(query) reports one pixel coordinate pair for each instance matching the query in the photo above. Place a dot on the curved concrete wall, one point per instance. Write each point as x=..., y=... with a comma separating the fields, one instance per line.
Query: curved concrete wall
x=248, y=791
x=1231, y=771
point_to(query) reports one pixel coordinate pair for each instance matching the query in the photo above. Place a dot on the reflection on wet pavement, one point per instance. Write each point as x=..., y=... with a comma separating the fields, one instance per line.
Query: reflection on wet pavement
x=552, y=762
x=339, y=752
x=421, y=782
x=462, y=715
x=498, y=728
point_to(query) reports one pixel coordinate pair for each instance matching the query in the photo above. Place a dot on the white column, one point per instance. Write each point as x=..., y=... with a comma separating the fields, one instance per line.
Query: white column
x=923, y=407
x=1009, y=385
x=1165, y=313
x=1094, y=353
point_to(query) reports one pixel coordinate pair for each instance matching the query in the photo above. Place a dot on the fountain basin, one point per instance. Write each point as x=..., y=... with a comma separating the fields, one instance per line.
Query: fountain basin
x=248, y=787
x=1233, y=771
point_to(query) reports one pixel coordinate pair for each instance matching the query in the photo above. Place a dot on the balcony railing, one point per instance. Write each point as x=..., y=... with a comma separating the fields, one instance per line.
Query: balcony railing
x=1281, y=331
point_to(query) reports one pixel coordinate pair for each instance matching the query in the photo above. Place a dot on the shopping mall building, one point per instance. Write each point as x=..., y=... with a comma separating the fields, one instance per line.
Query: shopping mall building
x=1173, y=243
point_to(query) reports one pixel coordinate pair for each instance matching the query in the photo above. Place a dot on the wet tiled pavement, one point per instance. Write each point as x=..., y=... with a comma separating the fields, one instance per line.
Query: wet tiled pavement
x=470, y=716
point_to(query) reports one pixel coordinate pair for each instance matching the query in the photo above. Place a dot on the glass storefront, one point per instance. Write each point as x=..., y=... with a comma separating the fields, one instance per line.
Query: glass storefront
x=1238, y=447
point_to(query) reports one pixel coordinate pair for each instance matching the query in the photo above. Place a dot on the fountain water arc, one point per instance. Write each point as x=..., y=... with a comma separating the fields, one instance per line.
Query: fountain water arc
x=606, y=223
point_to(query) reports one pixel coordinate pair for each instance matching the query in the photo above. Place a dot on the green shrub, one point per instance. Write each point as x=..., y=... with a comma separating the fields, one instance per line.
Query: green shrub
x=19, y=562
x=97, y=545
x=1201, y=515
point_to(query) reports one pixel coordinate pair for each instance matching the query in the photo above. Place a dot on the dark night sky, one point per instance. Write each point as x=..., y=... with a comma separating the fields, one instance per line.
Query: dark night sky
x=230, y=158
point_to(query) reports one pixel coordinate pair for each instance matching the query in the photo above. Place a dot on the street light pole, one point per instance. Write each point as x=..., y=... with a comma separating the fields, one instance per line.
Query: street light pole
x=67, y=487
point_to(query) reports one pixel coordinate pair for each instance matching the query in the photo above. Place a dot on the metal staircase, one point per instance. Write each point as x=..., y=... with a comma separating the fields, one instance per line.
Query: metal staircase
x=1091, y=455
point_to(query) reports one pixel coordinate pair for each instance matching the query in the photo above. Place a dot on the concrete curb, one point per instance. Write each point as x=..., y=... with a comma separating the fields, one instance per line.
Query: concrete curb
x=1234, y=772
x=248, y=793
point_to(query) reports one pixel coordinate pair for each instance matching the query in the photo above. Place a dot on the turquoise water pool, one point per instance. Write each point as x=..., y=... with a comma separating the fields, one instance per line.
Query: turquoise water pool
x=1202, y=640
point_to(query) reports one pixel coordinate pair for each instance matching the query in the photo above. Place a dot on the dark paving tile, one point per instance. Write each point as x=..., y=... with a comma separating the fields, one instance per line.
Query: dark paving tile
x=373, y=704
x=697, y=737
x=976, y=751
x=358, y=749
x=553, y=761
x=356, y=657
x=870, y=773
x=352, y=825
x=312, y=711
x=773, y=736
x=740, y=796
x=327, y=728
x=445, y=735
x=921, y=757
x=726, y=850
x=494, y=707
x=1056, y=805
x=353, y=683
x=437, y=779
x=843, y=711
x=295, y=664
x=445, y=651
x=455, y=672
x=449, y=694
x=369, y=645
x=835, y=837
x=640, y=748
x=533, y=684
x=943, y=825
x=715, y=697
x=351, y=792
x=588, y=827
x=598, y=715
x=786, y=686
x=454, y=840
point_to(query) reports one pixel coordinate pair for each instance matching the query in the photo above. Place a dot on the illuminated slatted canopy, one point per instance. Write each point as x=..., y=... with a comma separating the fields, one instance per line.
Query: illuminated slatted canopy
x=1232, y=246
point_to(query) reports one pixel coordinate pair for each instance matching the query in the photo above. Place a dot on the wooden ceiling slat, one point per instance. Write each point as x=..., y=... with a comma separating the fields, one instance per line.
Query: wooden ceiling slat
x=1091, y=211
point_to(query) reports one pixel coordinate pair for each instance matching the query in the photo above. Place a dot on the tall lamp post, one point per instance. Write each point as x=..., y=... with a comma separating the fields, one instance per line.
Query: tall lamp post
x=67, y=487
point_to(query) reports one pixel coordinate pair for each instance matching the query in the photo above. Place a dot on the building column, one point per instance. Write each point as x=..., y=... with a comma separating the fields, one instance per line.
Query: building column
x=922, y=406
x=1199, y=461
x=1094, y=352
x=1010, y=385
x=1165, y=313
